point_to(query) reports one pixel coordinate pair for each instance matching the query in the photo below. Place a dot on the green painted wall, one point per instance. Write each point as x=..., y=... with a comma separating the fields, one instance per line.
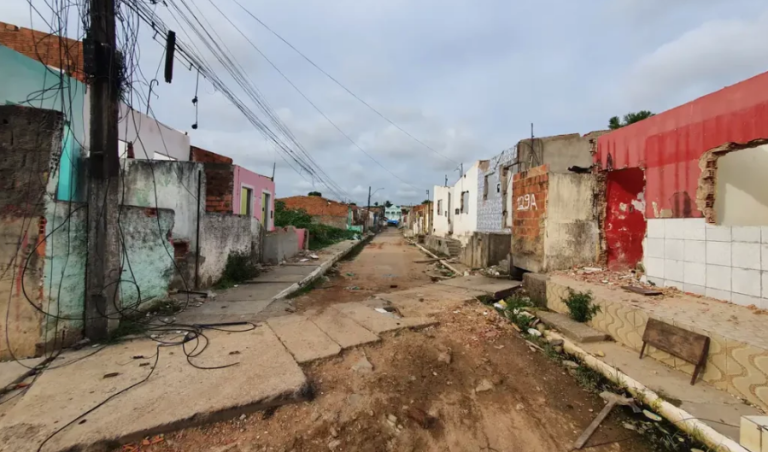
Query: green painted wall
x=64, y=271
x=148, y=254
x=30, y=83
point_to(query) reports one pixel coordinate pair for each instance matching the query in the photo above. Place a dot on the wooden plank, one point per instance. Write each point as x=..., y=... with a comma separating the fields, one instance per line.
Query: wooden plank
x=641, y=290
x=593, y=426
x=681, y=343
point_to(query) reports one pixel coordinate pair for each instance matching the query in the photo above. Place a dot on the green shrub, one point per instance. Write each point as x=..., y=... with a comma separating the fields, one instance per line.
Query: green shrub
x=320, y=235
x=239, y=268
x=580, y=306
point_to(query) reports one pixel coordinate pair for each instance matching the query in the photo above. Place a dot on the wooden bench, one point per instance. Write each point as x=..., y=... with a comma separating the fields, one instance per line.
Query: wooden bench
x=686, y=345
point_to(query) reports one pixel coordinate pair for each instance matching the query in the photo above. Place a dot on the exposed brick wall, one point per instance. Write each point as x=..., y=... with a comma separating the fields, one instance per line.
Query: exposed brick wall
x=219, y=179
x=529, y=202
x=52, y=50
x=197, y=154
x=219, y=186
x=317, y=206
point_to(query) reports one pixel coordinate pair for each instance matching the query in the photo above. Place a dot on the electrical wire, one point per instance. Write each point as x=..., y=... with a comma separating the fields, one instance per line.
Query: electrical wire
x=341, y=85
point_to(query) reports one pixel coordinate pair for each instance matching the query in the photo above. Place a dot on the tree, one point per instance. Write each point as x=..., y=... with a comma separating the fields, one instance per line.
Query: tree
x=630, y=118
x=387, y=203
x=315, y=193
x=426, y=201
x=353, y=204
x=376, y=203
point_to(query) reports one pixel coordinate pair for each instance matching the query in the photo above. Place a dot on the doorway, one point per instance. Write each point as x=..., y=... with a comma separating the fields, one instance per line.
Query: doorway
x=625, y=217
x=266, y=213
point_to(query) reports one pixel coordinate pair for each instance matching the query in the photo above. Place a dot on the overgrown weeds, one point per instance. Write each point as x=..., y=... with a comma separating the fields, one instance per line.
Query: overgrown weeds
x=239, y=268
x=580, y=306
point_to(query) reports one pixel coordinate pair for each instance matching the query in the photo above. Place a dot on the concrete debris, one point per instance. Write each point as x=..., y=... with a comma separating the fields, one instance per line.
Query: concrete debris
x=391, y=418
x=242, y=417
x=485, y=385
x=652, y=416
x=600, y=353
x=445, y=357
x=363, y=365
x=570, y=364
x=555, y=342
x=534, y=332
x=541, y=327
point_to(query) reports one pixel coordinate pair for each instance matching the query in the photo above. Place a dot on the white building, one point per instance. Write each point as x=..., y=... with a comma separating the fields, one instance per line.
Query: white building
x=455, y=208
x=394, y=214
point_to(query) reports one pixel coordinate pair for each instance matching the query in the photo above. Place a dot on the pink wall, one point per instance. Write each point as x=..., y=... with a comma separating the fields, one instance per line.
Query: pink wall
x=302, y=236
x=259, y=184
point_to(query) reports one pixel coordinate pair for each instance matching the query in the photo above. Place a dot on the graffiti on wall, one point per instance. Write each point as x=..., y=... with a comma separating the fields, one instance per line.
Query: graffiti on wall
x=527, y=202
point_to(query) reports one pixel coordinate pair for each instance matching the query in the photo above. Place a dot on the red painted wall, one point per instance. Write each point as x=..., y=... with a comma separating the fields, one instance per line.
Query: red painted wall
x=624, y=218
x=668, y=145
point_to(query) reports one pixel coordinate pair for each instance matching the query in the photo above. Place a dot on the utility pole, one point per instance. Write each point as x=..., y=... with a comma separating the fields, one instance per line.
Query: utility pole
x=446, y=180
x=368, y=212
x=103, y=273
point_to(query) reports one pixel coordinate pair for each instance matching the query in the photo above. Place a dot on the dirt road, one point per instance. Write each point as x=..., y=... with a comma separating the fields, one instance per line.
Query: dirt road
x=469, y=384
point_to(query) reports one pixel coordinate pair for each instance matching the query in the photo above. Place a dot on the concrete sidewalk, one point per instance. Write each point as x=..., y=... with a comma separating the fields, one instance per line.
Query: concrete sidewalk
x=178, y=395
x=251, y=300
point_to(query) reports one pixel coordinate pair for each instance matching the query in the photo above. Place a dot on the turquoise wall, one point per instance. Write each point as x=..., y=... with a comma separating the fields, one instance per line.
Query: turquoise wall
x=27, y=82
x=64, y=271
x=149, y=252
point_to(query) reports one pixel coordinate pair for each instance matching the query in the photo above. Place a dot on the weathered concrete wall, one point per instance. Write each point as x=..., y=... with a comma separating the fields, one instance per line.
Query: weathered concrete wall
x=30, y=149
x=557, y=152
x=485, y=249
x=148, y=254
x=495, y=187
x=572, y=235
x=66, y=249
x=556, y=220
x=221, y=235
x=166, y=185
x=529, y=191
x=282, y=243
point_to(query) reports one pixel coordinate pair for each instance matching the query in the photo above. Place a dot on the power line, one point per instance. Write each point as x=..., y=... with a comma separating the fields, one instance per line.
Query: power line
x=341, y=84
x=309, y=100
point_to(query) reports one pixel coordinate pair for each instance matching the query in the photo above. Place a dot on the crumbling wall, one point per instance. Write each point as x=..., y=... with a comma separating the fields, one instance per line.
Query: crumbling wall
x=30, y=149
x=572, y=230
x=149, y=260
x=530, y=194
x=281, y=244
x=624, y=226
x=222, y=235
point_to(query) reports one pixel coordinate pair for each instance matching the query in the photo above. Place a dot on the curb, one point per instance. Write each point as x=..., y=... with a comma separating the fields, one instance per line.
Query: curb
x=680, y=418
x=320, y=270
x=429, y=253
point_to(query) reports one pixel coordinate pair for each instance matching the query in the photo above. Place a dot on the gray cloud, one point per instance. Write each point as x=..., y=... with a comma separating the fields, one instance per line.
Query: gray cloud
x=465, y=77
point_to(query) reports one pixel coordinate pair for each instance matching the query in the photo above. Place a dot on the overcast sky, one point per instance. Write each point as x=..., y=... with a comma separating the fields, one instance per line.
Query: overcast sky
x=466, y=77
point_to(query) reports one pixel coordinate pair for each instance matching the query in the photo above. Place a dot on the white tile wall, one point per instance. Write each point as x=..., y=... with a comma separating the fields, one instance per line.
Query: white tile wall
x=745, y=281
x=718, y=277
x=719, y=253
x=695, y=274
x=746, y=300
x=674, y=270
x=745, y=255
x=674, y=249
x=696, y=251
x=746, y=234
x=655, y=248
x=723, y=262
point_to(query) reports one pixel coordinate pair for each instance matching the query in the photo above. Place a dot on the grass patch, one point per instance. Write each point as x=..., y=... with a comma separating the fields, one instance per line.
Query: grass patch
x=658, y=435
x=580, y=306
x=239, y=268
